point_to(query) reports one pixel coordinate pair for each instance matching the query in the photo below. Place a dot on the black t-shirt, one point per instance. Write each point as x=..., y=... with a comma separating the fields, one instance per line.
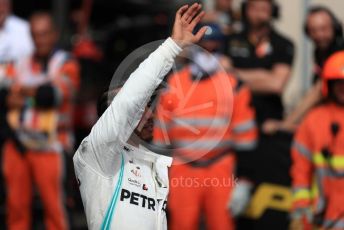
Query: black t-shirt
x=245, y=55
x=320, y=56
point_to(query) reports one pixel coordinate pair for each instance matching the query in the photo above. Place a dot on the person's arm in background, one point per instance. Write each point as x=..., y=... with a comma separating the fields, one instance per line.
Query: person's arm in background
x=264, y=81
x=244, y=137
x=290, y=123
x=302, y=176
x=271, y=81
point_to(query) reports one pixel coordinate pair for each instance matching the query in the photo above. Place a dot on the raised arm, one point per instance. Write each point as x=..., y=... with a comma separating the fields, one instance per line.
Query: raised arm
x=125, y=111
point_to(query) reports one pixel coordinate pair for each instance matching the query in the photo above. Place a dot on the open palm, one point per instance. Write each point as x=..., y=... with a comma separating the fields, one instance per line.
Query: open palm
x=184, y=24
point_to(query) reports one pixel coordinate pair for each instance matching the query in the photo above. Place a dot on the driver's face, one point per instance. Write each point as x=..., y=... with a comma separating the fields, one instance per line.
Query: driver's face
x=144, y=129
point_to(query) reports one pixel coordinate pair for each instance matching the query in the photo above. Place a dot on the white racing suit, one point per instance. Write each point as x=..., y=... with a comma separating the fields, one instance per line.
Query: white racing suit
x=124, y=187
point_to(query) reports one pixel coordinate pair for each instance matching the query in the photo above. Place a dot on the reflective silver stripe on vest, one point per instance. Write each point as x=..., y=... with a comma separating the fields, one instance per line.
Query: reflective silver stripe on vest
x=203, y=145
x=244, y=126
x=193, y=123
x=303, y=150
x=202, y=122
x=244, y=145
x=160, y=143
x=321, y=174
x=161, y=124
x=334, y=224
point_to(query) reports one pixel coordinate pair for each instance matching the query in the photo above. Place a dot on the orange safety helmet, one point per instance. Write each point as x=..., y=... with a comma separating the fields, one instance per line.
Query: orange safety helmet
x=333, y=70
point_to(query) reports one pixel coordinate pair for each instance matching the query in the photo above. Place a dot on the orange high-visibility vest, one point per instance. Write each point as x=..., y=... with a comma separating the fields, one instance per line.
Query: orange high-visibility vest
x=63, y=72
x=202, y=119
x=318, y=162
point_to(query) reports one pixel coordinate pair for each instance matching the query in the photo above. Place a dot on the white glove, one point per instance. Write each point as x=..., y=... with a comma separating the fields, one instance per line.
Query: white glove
x=240, y=198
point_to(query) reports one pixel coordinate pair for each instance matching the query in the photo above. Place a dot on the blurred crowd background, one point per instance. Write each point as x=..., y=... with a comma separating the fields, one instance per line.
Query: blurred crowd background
x=57, y=57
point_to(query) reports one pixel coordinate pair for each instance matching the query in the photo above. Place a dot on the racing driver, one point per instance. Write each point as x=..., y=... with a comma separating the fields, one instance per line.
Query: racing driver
x=122, y=185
